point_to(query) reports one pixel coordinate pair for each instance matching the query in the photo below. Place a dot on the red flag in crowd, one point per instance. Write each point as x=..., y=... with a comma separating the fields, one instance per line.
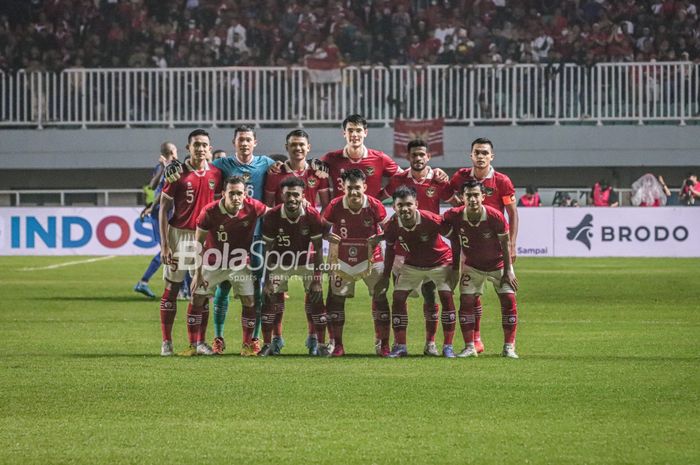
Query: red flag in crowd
x=324, y=65
x=430, y=130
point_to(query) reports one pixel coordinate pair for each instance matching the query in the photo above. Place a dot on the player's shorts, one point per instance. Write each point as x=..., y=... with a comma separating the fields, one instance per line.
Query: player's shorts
x=413, y=277
x=242, y=281
x=280, y=278
x=181, y=242
x=346, y=288
x=472, y=281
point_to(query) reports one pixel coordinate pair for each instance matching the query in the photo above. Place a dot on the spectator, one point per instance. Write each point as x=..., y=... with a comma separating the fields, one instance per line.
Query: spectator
x=603, y=195
x=648, y=191
x=531, y=198
x=690, y=190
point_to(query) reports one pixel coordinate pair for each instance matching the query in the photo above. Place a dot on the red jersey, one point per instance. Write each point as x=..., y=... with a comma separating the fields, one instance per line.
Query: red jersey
x=314, y=184
x=429, y=191
x=375, y=164
x=356, y=225
x=499, y=188
x=192, y=193
x=235, y=231
x=423, y=245
x=294, y=236
x=479, y=242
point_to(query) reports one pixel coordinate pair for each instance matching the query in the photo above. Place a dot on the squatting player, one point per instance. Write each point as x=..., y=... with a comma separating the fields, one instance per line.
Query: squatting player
x=500, y=194
x=226, y=229
x=480, y=233
x=430, y=190
x=293, y=247
x=187, y=196
x=357, y=215
x=428, y=259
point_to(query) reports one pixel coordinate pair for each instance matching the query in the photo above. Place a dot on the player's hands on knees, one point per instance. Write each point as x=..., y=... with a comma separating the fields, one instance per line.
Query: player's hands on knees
x=440, y=175
x=173, y=171
x=509, y=279
x=382, y=286
x=197, y=282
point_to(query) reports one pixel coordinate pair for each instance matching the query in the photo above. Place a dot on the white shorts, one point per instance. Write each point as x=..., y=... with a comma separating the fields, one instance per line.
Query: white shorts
x=472, y=281
x=242, y=281
x=413, y=277
x=280, y=278
x=345, y=288
x=180, y=241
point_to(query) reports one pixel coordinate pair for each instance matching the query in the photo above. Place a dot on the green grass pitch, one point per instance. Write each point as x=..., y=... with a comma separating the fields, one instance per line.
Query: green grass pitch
x=609, y=373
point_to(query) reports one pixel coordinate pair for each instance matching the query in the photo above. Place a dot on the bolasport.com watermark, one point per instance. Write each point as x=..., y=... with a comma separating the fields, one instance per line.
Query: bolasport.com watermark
x=190, y=255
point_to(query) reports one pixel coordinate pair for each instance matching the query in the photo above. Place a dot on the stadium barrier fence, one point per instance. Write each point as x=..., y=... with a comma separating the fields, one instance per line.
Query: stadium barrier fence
x=636, y=93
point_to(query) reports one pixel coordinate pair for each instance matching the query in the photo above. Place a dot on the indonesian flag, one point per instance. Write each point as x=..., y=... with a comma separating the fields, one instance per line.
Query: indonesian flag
x=430, y=130
x=323, y=66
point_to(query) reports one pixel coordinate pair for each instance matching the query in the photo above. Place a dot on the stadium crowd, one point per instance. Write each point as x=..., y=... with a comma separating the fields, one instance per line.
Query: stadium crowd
x=59, y=34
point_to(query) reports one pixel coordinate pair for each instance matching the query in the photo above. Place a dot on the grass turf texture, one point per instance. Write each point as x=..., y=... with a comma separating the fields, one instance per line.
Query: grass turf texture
x=608, y=374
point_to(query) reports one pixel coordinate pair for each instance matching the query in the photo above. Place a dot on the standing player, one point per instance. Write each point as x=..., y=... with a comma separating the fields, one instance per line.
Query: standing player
x=373, y=163
x=429, y=192
x=428, y=259
x=226, y=228
x=188, y=196
x=500, y=194
x=356, y=215
x=480, y=232
x=293, y=246
x=316, y=190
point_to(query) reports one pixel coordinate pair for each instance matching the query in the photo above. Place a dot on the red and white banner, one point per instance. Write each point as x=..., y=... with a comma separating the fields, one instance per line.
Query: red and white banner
x=429, y=130
x=323, y=66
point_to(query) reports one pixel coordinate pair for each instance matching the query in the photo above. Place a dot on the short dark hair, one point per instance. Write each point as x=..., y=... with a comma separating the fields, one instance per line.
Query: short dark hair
x=353, y=174
x=279, y=157
x=235, y=179
x=471, y=184
x=197, y=132
x=244, y=128
x=355, y=119
x=531, y=190
x=297, y=133
x=416, y=143
x=218, y=151
x=402, y=192
x=292, y=181
x=482, y=140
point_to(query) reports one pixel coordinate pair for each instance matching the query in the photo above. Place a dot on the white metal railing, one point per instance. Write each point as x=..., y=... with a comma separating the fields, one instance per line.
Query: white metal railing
x=524, y=93
x=63, y=197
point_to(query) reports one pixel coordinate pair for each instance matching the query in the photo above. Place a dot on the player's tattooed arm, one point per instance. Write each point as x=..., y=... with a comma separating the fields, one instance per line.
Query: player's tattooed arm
x=173, y=171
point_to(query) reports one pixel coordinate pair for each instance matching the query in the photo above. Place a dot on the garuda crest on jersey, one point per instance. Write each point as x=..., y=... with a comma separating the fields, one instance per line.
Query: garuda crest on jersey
x=370, y=171
x=430, y=192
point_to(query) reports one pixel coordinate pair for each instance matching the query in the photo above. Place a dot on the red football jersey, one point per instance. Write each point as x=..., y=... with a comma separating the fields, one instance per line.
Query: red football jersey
x=192, y=193
x=356, y=225
x=314, y=184
x=375, y=164
x=224, y=228
x=429, y=191
x=499, y=188
x=294, y=236
x=479, y=242
x=422, y=244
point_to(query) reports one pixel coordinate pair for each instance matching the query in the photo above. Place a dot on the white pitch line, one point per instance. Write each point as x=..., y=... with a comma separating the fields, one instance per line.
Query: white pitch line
x=61, y=265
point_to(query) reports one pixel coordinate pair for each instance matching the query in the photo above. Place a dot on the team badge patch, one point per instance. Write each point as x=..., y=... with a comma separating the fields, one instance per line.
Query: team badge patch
x=246, y=223
x=304, y=231
x=424, y=237
x=312, y=181
x=370, y=171
x=367, y=222
x=212, y=184
x=352, y=252
x=488, y=190
x=246, y=177
x=487, y=235
x=430, y=192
